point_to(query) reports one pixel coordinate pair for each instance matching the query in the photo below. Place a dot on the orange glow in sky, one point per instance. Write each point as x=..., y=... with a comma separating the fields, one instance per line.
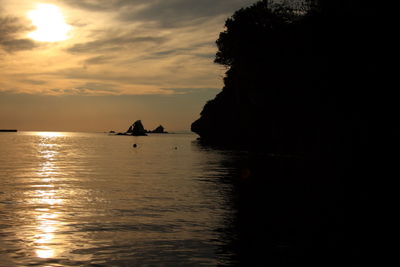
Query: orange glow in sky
x=50, y=24
x=97, y=65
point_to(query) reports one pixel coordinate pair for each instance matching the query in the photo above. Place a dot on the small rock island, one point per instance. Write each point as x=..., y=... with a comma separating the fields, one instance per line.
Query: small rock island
x=159, y=129
x=137, y=129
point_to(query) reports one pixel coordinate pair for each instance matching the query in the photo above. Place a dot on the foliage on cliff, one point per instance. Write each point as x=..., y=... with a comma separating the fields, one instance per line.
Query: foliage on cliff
x=297, y=80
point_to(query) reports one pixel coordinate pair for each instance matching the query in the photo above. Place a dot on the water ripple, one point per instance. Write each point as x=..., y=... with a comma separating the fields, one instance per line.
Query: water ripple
x=72, y=199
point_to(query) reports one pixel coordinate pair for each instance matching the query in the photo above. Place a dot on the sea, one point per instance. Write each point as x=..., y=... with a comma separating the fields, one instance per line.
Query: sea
x=95, y=199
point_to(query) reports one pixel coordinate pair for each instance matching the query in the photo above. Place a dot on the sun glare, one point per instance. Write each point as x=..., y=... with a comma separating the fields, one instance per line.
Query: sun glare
x=50, y=24
x=50, y=134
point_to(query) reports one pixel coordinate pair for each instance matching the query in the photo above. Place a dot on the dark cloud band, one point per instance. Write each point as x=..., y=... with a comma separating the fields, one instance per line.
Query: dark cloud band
x=11, y=28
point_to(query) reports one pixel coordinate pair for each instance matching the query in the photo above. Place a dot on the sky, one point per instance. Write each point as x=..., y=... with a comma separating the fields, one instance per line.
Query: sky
x=99, y=65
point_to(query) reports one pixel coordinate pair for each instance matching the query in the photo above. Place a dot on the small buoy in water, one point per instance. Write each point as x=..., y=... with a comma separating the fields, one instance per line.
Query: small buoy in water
x=134, y=145
x=176, y=148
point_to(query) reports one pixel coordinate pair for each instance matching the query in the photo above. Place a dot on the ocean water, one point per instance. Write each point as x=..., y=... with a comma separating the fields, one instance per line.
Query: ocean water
x=72, y=199
x=91, y=199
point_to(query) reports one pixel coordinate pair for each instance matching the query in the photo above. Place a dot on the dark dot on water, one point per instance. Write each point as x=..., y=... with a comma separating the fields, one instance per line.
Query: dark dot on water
x=134, y=145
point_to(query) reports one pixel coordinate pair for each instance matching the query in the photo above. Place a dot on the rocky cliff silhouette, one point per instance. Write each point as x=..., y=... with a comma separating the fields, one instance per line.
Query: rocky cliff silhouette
x=137, y=129
x=159, y=129
x=298, y=80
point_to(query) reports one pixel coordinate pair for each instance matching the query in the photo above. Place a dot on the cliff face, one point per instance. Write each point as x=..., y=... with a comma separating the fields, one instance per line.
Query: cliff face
x=296, y=84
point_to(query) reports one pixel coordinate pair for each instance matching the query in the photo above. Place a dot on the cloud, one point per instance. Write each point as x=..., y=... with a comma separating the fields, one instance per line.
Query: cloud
x=34, y=82
x=186, y=91
x=98, y=60
x=113, y=43
x=166, y=13
x=104, y=87
x=181, y=13
x=86, y=89
x=130, y=46
x=180, y=51
x=101, y=5
x=149, y=57
x=11, y=28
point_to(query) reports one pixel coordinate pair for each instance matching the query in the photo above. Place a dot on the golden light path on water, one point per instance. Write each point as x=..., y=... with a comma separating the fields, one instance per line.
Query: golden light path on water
x=80, y=199
x=53, y=198
x=47, y=195
x=46, y=199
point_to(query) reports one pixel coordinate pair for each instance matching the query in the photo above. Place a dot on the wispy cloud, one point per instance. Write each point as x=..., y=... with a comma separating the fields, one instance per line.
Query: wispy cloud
x=11, y=29
x=132, y=46
x=34, y=82
x=180, y=13
x=88, y=89
x=151, y=59
x=114, y=43
x=171, y=13
x=102, y=59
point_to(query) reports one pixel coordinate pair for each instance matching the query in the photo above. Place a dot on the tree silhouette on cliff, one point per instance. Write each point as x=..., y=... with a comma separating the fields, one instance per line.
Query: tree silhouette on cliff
x=297, y=79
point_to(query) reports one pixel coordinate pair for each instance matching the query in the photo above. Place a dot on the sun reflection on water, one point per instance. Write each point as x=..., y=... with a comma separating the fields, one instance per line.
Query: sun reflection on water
x=48, y=225
x=44, y=254
x=47, y=195
x=84, y=199
x=50, y=134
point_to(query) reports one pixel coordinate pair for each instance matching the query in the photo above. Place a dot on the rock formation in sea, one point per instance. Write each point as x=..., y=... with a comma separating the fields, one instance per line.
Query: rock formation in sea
x=129, y=131
x=297, y=81
x=159, y=129
x=137, y=129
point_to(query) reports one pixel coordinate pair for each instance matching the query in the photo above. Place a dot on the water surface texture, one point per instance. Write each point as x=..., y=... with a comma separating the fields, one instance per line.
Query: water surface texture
x=69, y=199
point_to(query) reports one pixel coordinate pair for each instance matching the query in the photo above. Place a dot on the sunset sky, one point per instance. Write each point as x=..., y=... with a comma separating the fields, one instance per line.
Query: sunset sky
x=99, y=65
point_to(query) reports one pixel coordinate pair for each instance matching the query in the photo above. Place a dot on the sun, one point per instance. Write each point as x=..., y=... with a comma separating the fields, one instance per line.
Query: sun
x=50, y=24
